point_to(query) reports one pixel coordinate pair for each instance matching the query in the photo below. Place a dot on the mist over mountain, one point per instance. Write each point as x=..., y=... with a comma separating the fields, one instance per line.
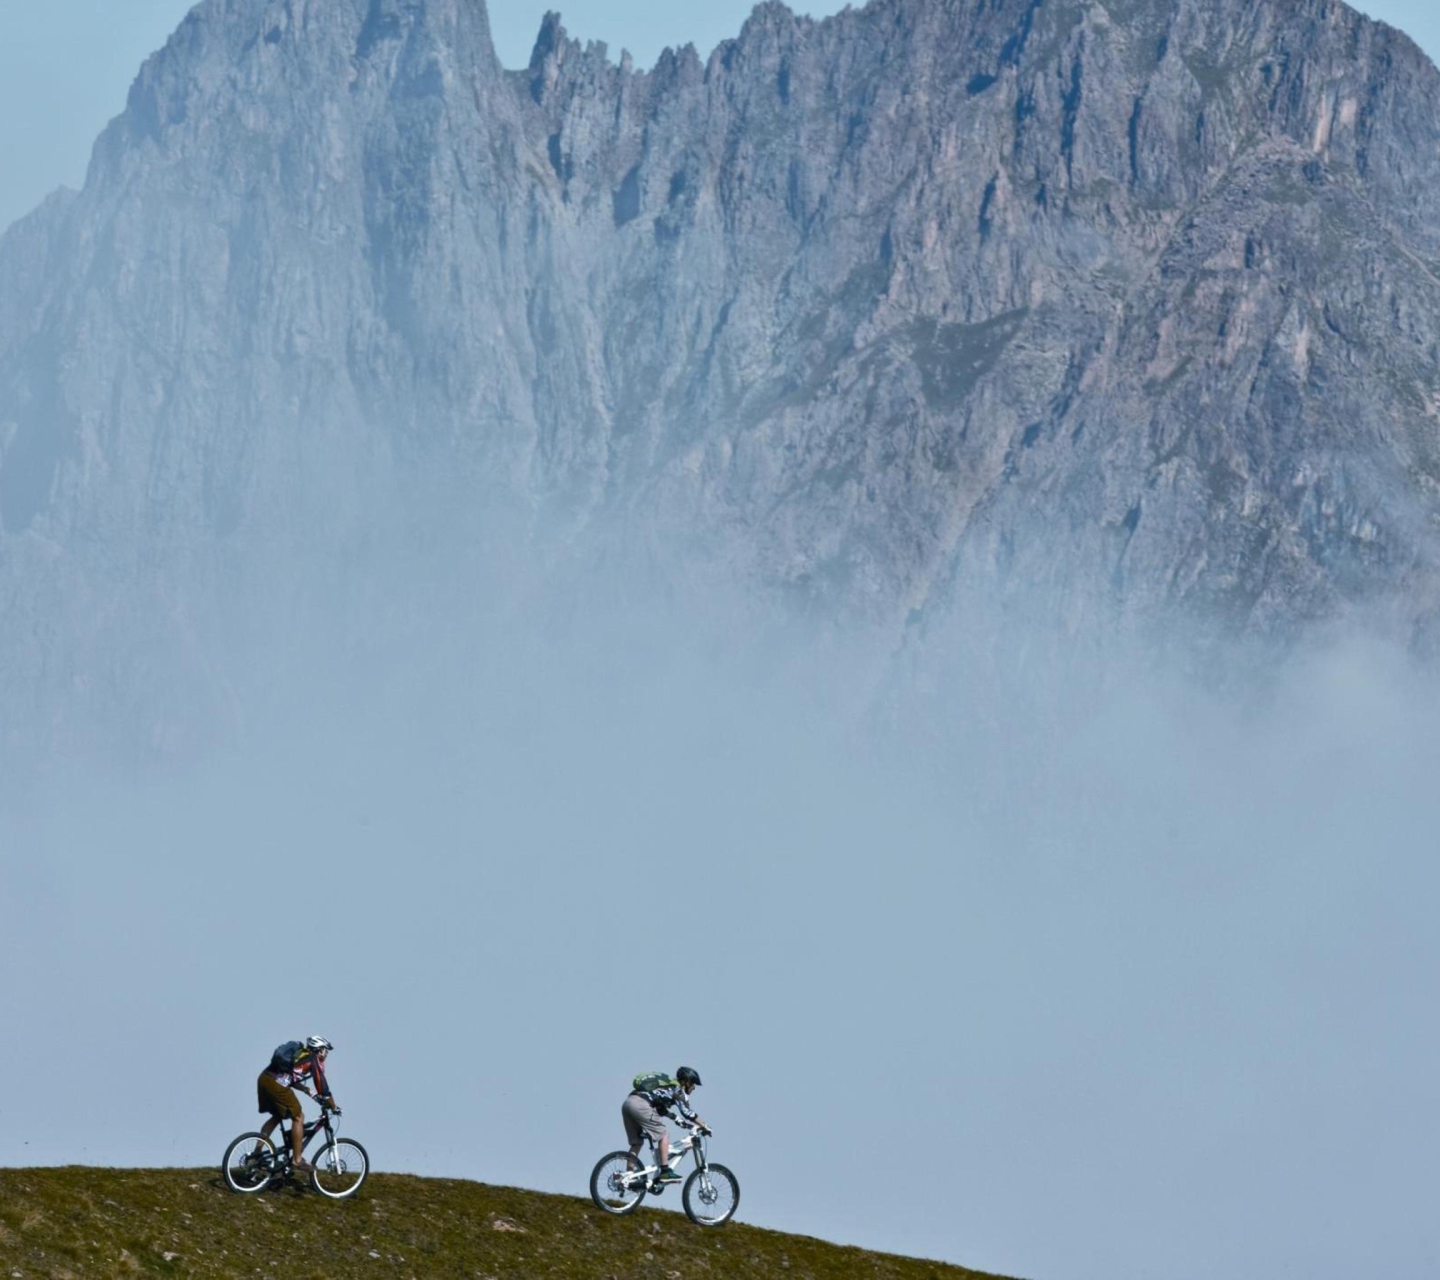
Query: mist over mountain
x=545, y=532
x=1122, y=313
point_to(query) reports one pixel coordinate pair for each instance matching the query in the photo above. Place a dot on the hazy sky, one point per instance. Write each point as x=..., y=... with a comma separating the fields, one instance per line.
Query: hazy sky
x=65, y=65
x=1060, y=986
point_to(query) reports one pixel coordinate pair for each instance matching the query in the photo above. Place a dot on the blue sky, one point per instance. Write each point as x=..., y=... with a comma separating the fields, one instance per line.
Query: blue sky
x=65, y=66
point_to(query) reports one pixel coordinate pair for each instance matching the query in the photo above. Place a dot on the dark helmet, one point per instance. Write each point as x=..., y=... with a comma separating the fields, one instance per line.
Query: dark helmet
x=688, y=1075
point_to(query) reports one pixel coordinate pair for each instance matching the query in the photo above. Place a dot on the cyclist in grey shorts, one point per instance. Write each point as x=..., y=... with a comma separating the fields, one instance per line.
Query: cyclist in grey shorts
x=648, y=1105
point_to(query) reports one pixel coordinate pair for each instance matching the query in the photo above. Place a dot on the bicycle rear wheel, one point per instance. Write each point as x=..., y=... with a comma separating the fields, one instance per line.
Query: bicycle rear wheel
x=340, y=1168
x=612, y=1186
x=249, y=1164
x=711, y=1196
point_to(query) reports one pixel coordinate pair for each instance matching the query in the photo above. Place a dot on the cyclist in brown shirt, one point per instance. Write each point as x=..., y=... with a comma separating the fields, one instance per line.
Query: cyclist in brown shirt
x=290, y=1065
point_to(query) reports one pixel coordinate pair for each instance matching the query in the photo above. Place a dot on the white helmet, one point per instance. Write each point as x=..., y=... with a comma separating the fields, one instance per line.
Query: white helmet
x=318, y=1043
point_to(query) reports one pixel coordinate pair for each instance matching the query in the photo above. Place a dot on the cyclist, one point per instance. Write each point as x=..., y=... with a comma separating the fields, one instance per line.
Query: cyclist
x=290, y=1065
x=649, y=1103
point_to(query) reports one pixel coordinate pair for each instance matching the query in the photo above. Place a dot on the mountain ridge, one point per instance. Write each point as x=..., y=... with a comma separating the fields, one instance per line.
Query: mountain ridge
x=1125, y=312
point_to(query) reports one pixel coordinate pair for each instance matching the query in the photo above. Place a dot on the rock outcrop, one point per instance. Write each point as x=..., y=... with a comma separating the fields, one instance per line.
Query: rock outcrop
x=1127, y=306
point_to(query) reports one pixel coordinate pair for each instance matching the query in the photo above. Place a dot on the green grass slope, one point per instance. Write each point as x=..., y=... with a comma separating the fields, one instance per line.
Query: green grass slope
x=68, y=1223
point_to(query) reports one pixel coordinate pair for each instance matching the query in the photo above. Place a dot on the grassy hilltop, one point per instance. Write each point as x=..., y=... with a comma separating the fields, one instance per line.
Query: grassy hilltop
x=68, y=1223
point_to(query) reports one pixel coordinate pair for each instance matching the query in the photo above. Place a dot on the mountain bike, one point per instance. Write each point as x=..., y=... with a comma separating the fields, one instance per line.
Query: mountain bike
x=711, y=1193
x=253, y=1162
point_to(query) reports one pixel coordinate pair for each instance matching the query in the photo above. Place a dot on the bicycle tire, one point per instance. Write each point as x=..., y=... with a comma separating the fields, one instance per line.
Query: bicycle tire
x=621, y=1200
x=715, y=1212
x=342, y=1182
x=244, y=1176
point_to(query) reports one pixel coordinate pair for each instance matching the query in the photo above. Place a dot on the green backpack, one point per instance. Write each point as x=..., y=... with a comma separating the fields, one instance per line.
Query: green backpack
x=648, y=1081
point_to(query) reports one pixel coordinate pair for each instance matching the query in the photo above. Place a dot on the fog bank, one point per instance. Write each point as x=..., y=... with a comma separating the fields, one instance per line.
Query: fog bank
x=1076, y=971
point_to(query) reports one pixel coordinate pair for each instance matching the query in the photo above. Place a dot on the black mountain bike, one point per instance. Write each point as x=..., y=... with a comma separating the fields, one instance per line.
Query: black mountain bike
x=253, y=1162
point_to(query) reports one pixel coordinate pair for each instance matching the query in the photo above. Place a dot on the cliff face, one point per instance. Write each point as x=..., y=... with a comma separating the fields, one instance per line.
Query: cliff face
x=1130, y=302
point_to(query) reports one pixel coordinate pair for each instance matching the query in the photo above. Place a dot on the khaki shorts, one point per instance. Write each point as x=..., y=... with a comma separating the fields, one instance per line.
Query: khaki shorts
x=641, y=1118
x=277, y=1099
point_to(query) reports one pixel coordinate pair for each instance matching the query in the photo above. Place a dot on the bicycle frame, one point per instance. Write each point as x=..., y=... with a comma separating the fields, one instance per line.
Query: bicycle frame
x=286, y=1152
x=692, y=1144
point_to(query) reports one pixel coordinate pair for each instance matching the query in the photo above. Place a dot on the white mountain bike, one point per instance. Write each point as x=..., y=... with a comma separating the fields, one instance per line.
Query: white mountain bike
x=710, y=1196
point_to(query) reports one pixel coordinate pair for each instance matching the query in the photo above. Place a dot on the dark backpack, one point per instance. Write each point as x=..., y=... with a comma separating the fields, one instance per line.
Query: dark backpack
x=286, y=1055
x=649, y=1081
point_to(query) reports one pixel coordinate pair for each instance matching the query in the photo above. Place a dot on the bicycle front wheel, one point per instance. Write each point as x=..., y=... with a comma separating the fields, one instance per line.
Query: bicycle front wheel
x=249, y=1164
x=711, y=1196
x=340, y=1168
x=616, y=1185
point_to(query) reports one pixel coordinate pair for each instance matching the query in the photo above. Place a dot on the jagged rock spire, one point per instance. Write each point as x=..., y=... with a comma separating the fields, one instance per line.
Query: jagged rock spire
x=876, y=310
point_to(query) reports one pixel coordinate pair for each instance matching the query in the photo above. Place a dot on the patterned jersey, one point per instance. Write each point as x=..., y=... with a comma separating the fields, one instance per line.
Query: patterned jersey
x=666, y=1094
x=305, y=1064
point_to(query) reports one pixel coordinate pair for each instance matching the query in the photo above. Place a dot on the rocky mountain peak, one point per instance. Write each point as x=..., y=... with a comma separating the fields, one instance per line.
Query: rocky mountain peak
x=259, y=59
x=1129, y=306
